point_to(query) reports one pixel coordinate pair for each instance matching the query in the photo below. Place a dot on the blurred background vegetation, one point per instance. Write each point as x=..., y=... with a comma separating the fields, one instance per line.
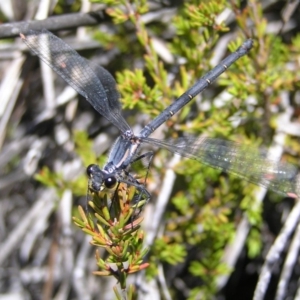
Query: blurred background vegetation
x=214, y=229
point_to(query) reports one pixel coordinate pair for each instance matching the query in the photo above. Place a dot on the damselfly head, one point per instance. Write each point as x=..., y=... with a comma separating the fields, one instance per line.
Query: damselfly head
x=100, y=180
x=96, y=177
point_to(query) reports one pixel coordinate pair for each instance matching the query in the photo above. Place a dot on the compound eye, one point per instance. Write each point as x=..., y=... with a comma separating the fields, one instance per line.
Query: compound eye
x=90, y=170
x=110, y=182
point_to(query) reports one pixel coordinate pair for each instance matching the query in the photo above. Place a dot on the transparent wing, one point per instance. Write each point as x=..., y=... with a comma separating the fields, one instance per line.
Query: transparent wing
x=95, y=84
x=246, y=162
